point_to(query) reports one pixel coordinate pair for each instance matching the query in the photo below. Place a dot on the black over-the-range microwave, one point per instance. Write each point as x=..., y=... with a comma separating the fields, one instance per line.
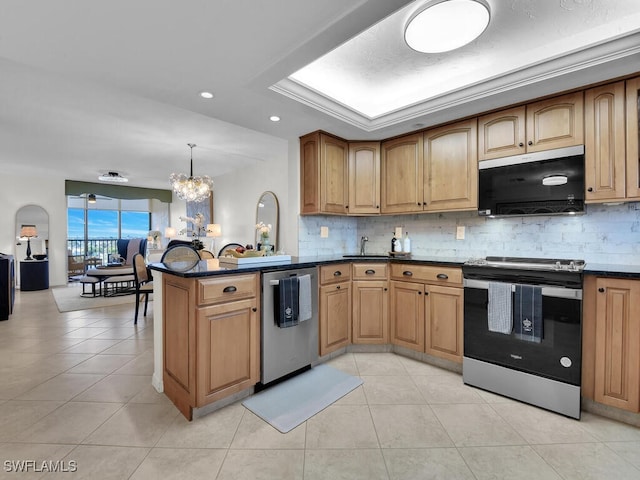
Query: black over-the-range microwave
x=541, y=183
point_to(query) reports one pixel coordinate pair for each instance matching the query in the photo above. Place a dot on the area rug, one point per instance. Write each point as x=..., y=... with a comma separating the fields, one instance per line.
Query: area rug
x=68, y=299
x=290, y=403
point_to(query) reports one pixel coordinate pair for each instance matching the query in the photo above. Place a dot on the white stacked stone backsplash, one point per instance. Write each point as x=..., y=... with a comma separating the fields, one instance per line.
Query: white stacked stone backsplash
x=604, y=234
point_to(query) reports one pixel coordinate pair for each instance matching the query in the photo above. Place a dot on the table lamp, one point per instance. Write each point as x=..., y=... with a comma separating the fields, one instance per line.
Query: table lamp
x=213, y=230
x=170, y=232
x=28, y=231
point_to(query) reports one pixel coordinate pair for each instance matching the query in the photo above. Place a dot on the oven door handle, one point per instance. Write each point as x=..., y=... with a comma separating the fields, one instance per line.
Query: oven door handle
x=547, y=291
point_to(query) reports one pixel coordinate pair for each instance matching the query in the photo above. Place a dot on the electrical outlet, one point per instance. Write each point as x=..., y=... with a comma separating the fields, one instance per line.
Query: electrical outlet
x=398, y=233
x=324, y=232
x=460, y=232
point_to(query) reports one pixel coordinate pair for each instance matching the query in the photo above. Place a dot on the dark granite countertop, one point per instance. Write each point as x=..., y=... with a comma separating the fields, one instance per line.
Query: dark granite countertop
x=612, y=270
x=206, y=268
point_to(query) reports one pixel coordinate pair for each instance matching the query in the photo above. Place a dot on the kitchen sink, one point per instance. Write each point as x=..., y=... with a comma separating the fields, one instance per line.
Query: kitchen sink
x=365, y=256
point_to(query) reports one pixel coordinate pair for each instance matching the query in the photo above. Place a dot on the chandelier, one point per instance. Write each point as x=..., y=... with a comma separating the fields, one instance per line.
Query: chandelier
x=190, y=188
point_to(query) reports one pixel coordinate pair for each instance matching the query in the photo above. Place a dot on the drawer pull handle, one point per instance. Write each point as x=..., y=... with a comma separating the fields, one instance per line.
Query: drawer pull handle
x=229, y=289
x=442, y=276
x=370, y=272
x=337, y=273
x=407, y=273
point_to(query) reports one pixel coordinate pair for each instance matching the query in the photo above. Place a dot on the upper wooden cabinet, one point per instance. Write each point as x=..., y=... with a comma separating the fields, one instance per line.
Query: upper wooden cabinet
x=451, y=167
x=604, y=116
x=364, y=178
x=402, y=179
x=323, y=174
x=553, y=123
x=633, y=139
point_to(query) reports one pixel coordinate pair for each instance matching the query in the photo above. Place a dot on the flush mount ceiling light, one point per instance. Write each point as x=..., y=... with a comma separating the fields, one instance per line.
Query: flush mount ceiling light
x=446, y=25
x=207, y=95
x=274, y=118
x=112, y=177
x=553, y=180
x=190, y=188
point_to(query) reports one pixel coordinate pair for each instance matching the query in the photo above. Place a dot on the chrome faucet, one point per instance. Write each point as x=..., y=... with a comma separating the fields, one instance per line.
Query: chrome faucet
x=362, y=242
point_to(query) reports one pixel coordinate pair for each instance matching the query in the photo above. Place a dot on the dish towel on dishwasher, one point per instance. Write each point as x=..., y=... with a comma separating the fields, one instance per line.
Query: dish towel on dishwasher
x=499, y=311
x=288, y=302
x=528, y=321
x=304, y=296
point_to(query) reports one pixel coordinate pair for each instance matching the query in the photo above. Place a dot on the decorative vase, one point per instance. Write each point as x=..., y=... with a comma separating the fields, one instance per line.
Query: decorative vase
x=265, y=245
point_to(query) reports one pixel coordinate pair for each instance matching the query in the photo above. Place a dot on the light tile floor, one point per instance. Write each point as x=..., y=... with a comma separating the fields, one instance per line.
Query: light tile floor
x=75, y=387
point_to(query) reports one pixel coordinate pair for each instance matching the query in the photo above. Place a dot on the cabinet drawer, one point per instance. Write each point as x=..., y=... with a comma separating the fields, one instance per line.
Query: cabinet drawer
x=427, y=273
x=340, y=272
x=370, y=271
x=226, y=289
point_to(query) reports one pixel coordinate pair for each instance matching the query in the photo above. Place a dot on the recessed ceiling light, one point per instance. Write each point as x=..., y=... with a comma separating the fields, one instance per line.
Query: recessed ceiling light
x=112, y=177
x=274, y=118
x=446, y=25
x=207, y=95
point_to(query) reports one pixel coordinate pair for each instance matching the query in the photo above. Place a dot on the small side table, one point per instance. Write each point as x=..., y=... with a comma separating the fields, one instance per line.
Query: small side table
x=34, y=275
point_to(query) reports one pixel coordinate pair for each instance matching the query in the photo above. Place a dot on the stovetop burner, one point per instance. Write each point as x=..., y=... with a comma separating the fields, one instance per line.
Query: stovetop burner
x=550, y=264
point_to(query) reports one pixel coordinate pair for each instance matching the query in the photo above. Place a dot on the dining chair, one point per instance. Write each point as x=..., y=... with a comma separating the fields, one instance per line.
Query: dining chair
x=143, y=283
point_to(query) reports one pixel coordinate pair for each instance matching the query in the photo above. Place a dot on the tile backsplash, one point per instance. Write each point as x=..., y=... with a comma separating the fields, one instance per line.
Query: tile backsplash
x=604, y=234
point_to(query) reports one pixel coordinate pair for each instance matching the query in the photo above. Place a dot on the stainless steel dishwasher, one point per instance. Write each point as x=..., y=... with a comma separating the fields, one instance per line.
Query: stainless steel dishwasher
x=287, y=350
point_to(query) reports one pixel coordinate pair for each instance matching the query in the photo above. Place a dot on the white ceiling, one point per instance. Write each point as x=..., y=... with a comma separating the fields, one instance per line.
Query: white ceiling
x=88, y=87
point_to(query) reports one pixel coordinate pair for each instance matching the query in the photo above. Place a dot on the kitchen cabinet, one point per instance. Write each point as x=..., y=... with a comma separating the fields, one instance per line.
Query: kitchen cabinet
x=552, y=123
x=334, y=307
x=451, y=167
x=402, y=182
x=427, y=309
x=370, y=315
x=323, y=174
x=364, y=178
x=611, y=326
x=605, y=143
x=633, y=139
x=211, y=338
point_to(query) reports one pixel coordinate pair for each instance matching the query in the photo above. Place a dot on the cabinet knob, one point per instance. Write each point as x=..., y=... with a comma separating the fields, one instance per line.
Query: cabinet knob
x=385, y=289
x=337, y=287
x=601, y=290
x=407, y=273
x=377, y=206
x=419, y=293
x=442, y=276
x=426, y=293
x=370, y=272
x=419, y=204
x=346, y=206
x=529, y=142
x=590, y=189
x=254, y=309
x=521, y=144
x=337, y=273
x=229, y=289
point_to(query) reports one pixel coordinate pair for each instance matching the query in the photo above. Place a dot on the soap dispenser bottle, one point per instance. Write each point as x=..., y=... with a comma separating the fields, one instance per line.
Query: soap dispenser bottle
x=407, y=243
x=393, y=243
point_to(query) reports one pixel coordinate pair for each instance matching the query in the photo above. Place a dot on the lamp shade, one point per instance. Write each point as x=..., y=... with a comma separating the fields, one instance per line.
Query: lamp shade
x=28, y=231
x=170, y=232
x=214, y=230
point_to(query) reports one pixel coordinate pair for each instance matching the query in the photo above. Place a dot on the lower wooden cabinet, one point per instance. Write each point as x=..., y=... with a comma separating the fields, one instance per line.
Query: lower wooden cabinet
x=370, y=312
x=407, y=314
x=335, y=317
x=444, y=314
x=211, y=338
x=611, y=336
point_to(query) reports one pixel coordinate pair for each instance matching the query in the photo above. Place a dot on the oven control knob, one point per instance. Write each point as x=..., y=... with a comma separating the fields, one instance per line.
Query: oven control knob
x=565, y=362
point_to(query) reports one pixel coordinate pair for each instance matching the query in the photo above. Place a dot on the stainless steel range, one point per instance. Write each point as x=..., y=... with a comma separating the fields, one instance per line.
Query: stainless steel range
x=522, y=329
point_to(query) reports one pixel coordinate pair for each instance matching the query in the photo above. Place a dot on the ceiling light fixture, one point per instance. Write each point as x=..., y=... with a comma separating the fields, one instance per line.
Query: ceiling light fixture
x=445, y=25
x=207, y=95
x=91, y=198
x=274, y=118
x=112, y=177
x=190, y=188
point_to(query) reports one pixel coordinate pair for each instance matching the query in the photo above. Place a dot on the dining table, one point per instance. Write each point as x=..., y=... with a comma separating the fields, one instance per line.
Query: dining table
x=124, y=273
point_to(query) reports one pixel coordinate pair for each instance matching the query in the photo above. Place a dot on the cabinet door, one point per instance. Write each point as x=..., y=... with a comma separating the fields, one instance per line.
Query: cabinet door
x=402, y=180
x=605, y=142
x=555, y=123
x=617, y=356
x=334, y=179
x=407, y=315
x=451, y=167
x=633, y=134
x=228, y=356
x=444, y=312
x=370, y=312
x=501, y=134
x=335, y=317
x=364, y=178
x=310, y=173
